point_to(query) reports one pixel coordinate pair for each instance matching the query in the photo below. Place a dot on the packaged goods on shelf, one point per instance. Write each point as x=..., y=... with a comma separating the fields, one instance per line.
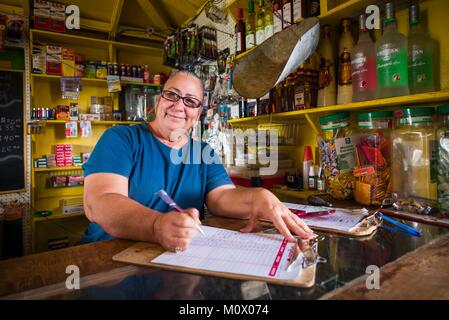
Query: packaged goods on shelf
x=373, y=158
x=39, y=58
x=41, y=13
x=54, y=59
x=336, y=143
x=414, y=157
x=71, y=206
x=89, y=117
x=57, y=17
x=68, y=62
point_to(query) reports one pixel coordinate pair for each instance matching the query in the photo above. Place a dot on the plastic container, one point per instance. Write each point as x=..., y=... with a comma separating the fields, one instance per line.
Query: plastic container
x=414, y=154
x=443, y=159
x=336, y=146
x=372, y=172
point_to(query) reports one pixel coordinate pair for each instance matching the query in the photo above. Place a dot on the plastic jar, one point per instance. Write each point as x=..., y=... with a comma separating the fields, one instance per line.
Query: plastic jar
x=443, y=159
x=373, y=157
x=414, y=154
x=336, y=147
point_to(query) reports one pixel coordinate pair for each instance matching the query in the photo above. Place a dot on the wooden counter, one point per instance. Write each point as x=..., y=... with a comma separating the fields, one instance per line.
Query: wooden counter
x=419, y=274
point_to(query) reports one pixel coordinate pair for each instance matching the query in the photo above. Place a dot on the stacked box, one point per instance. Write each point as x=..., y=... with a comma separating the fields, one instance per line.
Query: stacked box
x=54, y=58
x=51, y=160
x=64, y=155
x=77, y=161
x=57, y=17
x=40, y=163
x=42, y=14
x=39, y=58
x=68, y=62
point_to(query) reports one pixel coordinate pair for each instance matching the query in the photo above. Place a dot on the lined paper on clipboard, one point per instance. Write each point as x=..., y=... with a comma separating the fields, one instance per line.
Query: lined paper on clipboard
x=342, y=219
x=254, y=254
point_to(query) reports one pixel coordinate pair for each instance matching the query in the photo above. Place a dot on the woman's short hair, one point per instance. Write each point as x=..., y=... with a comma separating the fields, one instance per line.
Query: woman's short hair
x=187, y=73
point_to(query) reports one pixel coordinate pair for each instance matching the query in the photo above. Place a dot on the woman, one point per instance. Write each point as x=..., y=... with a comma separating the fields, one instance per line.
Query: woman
x=129, y=164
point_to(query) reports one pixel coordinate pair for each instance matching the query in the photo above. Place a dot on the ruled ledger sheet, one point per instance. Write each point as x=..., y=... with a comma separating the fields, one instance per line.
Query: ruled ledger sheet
x=255, y=254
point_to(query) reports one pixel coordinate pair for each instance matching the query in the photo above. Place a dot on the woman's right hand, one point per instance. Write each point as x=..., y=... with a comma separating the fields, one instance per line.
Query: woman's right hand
x=174, y=230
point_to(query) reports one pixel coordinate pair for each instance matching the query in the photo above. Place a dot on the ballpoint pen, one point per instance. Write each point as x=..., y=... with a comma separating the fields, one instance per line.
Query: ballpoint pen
x=305, y=214
x=168, y=200
x=400, y=227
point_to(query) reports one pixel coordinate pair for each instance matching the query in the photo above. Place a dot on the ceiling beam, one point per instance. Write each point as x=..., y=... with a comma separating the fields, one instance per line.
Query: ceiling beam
x=156, y=13
x=115, y=18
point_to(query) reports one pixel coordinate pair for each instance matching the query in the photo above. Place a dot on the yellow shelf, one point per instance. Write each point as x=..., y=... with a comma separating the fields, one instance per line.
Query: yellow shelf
x=431, y=97
x=69, y=38
x=85, y=41
x=57, y=169
x=55, y=77
x=99, y=122
x=303, y=194
x=57, y=216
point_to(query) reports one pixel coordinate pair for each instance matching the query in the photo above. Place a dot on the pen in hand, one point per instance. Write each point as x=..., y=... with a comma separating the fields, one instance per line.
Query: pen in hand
x=168, y=200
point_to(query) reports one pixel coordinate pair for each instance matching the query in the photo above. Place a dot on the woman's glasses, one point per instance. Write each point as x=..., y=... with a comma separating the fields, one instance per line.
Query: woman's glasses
x=174, y=97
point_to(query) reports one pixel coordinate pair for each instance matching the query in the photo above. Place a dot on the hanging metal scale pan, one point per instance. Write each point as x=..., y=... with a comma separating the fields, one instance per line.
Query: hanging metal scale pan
x=271, y=62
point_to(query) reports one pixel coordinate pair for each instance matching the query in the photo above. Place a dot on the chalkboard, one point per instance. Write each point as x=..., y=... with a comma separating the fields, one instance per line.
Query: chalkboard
x=12, y=151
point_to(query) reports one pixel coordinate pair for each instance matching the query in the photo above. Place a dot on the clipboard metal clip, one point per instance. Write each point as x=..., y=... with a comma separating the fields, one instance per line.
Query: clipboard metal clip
x=306, y=252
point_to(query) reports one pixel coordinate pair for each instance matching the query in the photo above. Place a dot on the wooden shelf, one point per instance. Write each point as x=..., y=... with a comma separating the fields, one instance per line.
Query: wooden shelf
x=140, y=84
x=410, y=100
x=57, y=169
x=138, y=48
x=66, y=38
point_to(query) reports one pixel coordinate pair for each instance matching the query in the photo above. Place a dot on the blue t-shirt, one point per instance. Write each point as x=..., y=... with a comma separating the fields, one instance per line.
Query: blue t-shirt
x=135, y=153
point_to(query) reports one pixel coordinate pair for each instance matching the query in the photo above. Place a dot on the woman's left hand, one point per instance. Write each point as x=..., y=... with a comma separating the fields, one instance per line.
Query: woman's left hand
x=265, y=205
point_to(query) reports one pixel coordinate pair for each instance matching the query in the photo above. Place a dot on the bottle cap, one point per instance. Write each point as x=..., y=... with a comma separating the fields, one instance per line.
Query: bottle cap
x=308, y=153
x=240, y=13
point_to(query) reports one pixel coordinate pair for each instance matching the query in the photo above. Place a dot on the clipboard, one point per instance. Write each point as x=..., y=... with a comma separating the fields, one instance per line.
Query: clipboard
x=142, y=254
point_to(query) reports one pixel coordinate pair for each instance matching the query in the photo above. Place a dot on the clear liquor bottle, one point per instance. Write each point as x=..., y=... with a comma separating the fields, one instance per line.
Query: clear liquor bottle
x=420, y=53
x=391, y=59
x=250, y=25
x=260, y=23
x=363, y=65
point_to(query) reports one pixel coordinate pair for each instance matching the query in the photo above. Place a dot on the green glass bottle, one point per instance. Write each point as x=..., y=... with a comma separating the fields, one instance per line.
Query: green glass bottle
x=391, y=59
x=420, y=55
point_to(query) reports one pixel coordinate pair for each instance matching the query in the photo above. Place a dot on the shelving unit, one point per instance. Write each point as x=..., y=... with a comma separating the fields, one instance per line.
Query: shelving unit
x=45, y=92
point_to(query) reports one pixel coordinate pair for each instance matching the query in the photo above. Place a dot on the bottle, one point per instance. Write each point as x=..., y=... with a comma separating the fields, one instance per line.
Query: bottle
x=391, y=59
x=250, y=26
x=269, y=25
x=260, y=23
x=320, y=184
x=287, y=13
x=420, y=54
x=326, y=82
x=146, y=74
x=240, y=33
x=299, y=89
x=307, y=163
x=312, y=181
x=298, y=12
x=277, y=16
x=344, y=71
x=313, y=8
x=363, y=66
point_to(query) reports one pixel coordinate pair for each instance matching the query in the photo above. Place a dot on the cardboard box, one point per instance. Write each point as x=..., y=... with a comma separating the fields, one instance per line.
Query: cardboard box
x=68, y=62
x=54, y=59
x=41, y=14
x=57, y=17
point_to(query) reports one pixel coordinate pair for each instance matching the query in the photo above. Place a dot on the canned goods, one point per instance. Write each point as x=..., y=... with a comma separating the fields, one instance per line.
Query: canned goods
x=128, y=70
x=115, y=69
x=139, y=72
x=134, y=71
x=110, y=69
x=123, y=70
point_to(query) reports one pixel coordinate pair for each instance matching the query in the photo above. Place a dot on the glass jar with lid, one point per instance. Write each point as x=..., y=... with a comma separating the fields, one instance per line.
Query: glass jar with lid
x=372, y=171
x=414, y=154
x=443, y=159
x=335, y=143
